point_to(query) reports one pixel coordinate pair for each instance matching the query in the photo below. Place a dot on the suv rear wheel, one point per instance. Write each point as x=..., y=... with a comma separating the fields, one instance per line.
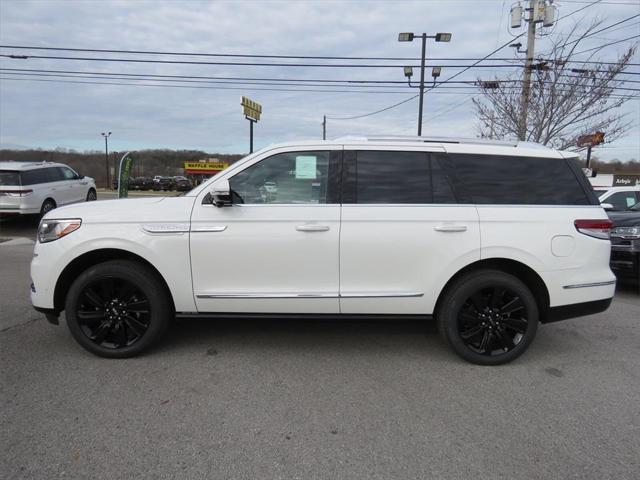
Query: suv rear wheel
x=47, y=206
x=117, y=309
x=91, y=195
x=488, y=317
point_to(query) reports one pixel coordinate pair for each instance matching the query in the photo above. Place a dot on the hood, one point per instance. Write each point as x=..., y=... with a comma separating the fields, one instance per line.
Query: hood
x=625, y=219
x=127, y=210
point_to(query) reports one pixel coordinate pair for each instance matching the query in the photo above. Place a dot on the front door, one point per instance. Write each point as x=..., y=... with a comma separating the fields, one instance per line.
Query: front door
x=275, y=250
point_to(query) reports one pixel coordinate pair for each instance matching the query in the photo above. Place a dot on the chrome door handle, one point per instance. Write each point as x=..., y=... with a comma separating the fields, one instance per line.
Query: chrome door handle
x=311, y=227
x=450, y=228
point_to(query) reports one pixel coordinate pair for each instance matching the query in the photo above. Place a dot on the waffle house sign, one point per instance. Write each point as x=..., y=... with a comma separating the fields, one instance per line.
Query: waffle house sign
x=204, y=168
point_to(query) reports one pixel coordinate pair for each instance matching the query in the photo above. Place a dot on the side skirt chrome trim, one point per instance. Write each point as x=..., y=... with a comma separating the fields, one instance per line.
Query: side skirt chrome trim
x=585, y=285
x=311, y=295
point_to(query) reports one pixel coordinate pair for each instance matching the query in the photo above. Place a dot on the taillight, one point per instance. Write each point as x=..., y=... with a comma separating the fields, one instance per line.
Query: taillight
x=594, y=228
x=23, y=192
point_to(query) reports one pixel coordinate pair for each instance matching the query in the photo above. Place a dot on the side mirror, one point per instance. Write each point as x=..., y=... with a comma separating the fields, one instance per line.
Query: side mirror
x=80, y=177
x=607, y=206
x=221, y=194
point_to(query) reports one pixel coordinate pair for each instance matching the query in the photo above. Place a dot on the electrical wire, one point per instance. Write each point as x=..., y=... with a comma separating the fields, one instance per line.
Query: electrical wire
x=607, y=44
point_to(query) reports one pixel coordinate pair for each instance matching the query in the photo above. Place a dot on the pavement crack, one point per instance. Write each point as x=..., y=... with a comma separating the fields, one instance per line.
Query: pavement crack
x=19, y=325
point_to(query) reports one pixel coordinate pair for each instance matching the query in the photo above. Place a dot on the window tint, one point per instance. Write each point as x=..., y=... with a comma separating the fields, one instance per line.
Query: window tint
x=9, y=177
x=292, y=177
x=494, y=179
x=67, y=173
x=622, y=200
x=36, y=176
x=395, y=177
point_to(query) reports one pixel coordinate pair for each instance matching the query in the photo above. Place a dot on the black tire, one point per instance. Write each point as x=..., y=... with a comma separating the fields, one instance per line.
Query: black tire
x=92, y=196
x=47, y=206
x=488, y=317
x=118, y=309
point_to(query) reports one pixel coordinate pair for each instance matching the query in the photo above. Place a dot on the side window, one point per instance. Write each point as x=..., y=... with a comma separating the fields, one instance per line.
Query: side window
x=393, y=177
x=54, y=174
x=622, y=200
x=292, y=177
x=35, y=176
x=67, y=173
x=496, y=179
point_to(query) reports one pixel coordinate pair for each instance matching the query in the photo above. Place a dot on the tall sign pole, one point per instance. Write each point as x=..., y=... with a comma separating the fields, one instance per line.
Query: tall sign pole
x=252, y=111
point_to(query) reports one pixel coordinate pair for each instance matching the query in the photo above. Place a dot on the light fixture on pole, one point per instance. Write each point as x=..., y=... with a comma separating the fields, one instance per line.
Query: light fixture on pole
x=408, y=71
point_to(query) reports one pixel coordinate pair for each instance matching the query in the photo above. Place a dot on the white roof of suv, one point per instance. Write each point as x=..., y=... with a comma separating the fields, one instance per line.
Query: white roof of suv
x=21, y=166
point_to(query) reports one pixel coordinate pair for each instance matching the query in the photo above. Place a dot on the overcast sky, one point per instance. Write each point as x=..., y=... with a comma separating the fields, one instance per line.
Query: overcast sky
x=50, y=114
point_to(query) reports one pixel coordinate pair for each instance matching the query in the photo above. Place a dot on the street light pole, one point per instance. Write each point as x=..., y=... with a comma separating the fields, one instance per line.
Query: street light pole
x=408, y=71
x=422, y=62
x=106, y=154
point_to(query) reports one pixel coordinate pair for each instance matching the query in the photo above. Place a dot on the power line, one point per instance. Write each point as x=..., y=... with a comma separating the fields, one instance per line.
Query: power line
x=602, y=29
x=607, y=44
x=376, y=112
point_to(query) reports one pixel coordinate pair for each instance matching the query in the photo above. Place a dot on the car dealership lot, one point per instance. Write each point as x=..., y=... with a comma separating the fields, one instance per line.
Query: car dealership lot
x=315, y=399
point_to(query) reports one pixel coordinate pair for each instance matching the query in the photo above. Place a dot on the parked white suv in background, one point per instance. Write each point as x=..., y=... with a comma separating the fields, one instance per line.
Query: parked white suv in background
x=490, y=239
x=620, y=198
x=38, y=187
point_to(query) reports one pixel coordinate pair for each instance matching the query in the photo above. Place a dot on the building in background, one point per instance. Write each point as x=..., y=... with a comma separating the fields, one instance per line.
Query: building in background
x=201, y=170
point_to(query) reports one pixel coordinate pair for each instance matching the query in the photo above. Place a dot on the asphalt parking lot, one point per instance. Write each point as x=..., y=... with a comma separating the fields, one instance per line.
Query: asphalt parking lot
x=314, y=399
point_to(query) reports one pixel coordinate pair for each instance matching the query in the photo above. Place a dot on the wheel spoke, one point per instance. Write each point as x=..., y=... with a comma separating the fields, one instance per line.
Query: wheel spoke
x=469, y=317
x=139, y=306
x=484, y=343
x=100, y=333
x=519, y=325
x=108, y=290
x=479, y=301
x=471, y=332
x=90, y=315
x=135, y=325
x=497, y=295
x=122, y=337
x=512, y=306
x=505, y=340
x=94, y=298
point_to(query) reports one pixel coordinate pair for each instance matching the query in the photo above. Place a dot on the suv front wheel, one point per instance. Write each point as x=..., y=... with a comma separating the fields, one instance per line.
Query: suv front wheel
x=488, y=317
x=117, y=309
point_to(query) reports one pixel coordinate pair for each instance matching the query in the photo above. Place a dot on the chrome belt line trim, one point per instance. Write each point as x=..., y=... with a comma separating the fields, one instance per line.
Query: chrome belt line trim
x=267, y=295
x=166, y=228
x=310, y=295
x=212, y=228
x=594, y=284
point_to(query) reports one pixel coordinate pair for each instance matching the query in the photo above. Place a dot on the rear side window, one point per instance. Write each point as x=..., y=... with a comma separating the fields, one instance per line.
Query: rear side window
x=622, y=200
x=504, y=180
x=395, y=177
x=9, y=177
x=36, y=176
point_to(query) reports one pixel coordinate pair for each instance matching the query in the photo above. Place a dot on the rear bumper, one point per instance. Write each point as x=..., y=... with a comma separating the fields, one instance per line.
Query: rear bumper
x=565, y=312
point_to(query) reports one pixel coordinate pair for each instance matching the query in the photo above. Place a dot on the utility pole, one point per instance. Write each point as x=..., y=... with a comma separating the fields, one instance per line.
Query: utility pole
x=526, y=85
x=106, y=155
x=543, y=12
x=324, y=127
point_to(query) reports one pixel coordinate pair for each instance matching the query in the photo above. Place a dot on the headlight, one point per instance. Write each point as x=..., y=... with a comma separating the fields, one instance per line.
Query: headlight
x=626, y=232
x=50, y=230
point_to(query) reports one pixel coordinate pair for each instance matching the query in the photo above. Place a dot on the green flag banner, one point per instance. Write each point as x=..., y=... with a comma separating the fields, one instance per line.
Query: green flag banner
x=123, y=177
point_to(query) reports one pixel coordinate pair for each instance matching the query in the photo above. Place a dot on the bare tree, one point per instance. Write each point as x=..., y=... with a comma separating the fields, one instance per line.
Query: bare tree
x=568, y=98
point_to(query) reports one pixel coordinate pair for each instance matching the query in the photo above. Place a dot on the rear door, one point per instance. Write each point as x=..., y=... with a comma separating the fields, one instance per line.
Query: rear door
x=403, y=234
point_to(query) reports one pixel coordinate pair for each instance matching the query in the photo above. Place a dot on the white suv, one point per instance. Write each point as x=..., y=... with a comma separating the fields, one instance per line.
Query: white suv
x=38, y=187
x=490, y=239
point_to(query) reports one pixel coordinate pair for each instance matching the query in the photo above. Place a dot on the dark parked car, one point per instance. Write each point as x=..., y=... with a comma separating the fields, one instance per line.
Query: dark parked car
x=164, y=183
x=140, y=183
x=625, y=243
x=183, y=184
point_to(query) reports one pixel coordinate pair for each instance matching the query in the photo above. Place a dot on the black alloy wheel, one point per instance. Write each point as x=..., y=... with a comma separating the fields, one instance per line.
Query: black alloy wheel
x=493, y=321
x=47, y=206
x=488, y=317
x=118, y=308
x=92, y=196
x=113, y=312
